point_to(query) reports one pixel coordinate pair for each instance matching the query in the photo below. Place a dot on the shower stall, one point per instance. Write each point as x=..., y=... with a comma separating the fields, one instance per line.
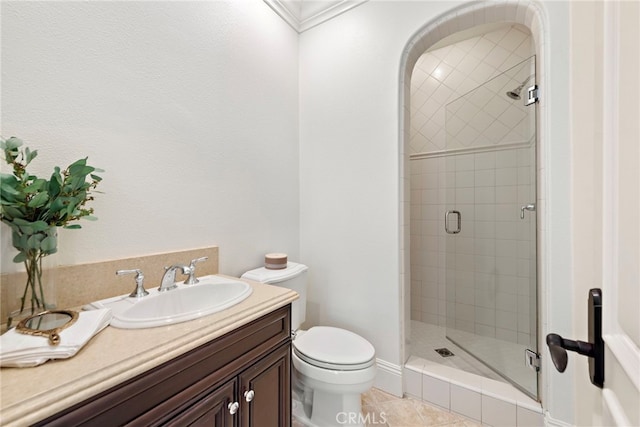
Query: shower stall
x=473, y=225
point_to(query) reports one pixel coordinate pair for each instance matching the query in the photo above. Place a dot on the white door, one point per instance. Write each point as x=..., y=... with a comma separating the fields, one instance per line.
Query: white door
x=621, y=214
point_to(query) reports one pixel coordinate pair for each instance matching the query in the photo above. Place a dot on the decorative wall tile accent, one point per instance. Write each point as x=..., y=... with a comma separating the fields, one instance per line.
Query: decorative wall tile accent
x=443, y=75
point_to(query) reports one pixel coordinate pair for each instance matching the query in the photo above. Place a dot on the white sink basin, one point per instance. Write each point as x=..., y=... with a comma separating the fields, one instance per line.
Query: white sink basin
x=186, y=302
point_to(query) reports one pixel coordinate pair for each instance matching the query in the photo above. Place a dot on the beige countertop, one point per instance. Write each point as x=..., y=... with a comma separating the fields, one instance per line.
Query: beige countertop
x=28, y=395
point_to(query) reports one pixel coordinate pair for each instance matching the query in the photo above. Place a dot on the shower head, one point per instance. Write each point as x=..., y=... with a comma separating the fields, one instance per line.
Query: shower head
x=515, y=93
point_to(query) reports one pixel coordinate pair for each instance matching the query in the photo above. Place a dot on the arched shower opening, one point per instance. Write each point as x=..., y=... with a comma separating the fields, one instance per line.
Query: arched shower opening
x=470, y=163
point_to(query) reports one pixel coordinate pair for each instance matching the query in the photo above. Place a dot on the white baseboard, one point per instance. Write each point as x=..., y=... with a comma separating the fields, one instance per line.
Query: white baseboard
x=552, y=422
x=389, y=377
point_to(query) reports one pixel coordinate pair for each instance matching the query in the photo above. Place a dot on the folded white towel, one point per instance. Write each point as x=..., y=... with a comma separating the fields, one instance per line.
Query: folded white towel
x=21, y=351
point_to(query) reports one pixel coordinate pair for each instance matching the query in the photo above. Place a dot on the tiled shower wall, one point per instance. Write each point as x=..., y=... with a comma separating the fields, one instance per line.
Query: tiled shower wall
x=481, y=279
x=443, y=75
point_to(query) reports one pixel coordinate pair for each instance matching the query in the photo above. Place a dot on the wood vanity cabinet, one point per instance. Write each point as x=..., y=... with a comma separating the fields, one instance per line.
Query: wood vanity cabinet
x=240, y=379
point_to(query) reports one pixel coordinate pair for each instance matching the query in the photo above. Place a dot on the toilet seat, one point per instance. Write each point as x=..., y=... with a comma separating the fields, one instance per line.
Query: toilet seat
x=334, y=348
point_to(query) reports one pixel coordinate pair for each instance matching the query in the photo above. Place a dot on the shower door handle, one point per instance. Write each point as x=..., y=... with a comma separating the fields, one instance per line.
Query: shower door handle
x=446, y=222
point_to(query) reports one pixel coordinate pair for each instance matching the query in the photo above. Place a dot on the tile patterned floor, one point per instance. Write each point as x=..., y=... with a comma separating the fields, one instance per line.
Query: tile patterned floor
x=384, y=410
x=391, y=411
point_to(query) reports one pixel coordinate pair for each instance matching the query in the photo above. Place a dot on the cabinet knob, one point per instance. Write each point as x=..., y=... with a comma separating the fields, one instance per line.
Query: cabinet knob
x=233, y=407
x=248, y=395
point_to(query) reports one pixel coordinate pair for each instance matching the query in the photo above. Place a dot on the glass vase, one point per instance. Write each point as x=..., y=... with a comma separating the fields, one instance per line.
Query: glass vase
x=38, y=293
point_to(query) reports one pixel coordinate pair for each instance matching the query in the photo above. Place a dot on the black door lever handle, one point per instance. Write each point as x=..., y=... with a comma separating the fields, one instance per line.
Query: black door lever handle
x=594, y=349
x=558, y=347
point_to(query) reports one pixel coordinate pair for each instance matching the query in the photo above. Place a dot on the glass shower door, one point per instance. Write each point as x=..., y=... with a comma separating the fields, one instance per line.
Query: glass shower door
x=490, y=224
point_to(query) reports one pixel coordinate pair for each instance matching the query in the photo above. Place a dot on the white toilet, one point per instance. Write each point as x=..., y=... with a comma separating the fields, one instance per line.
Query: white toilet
x=332, y=366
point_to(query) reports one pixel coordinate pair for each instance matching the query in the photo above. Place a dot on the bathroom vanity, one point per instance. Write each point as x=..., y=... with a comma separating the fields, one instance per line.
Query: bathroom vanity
x=231, y=368
x=242, y=376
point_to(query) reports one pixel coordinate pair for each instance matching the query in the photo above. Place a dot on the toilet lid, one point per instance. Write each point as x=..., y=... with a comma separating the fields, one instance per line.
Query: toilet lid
x=334, y=348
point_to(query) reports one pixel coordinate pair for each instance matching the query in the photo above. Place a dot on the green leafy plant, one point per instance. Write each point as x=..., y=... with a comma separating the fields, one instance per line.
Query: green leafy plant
x=34, y=207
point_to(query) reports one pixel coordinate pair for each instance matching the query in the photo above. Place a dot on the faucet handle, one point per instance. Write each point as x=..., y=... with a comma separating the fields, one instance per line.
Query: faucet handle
x=192, y=280
x=139, y=291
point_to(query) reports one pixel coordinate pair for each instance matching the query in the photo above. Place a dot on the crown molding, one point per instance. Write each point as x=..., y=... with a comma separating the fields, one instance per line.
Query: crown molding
x=293, y=12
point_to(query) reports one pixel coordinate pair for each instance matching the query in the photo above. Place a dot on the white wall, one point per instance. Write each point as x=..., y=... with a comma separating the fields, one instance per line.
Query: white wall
x=587, y=150
x=349, y=136
x=190, y=107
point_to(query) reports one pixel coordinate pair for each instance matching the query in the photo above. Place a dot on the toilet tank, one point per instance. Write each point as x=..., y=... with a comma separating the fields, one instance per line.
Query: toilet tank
x=293, y=277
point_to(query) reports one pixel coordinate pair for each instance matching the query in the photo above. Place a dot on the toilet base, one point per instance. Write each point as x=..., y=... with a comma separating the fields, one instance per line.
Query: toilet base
x=320, y=408
x=325, y=405
x=300, y=415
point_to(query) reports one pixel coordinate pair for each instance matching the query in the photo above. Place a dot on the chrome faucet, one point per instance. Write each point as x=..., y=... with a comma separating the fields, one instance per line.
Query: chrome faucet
x=169, y=278
x=139, y=291
x=192, y=280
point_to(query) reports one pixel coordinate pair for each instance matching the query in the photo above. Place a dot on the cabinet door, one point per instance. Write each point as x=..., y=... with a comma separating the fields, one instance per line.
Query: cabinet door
x=212, y=410
x=265, y=391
